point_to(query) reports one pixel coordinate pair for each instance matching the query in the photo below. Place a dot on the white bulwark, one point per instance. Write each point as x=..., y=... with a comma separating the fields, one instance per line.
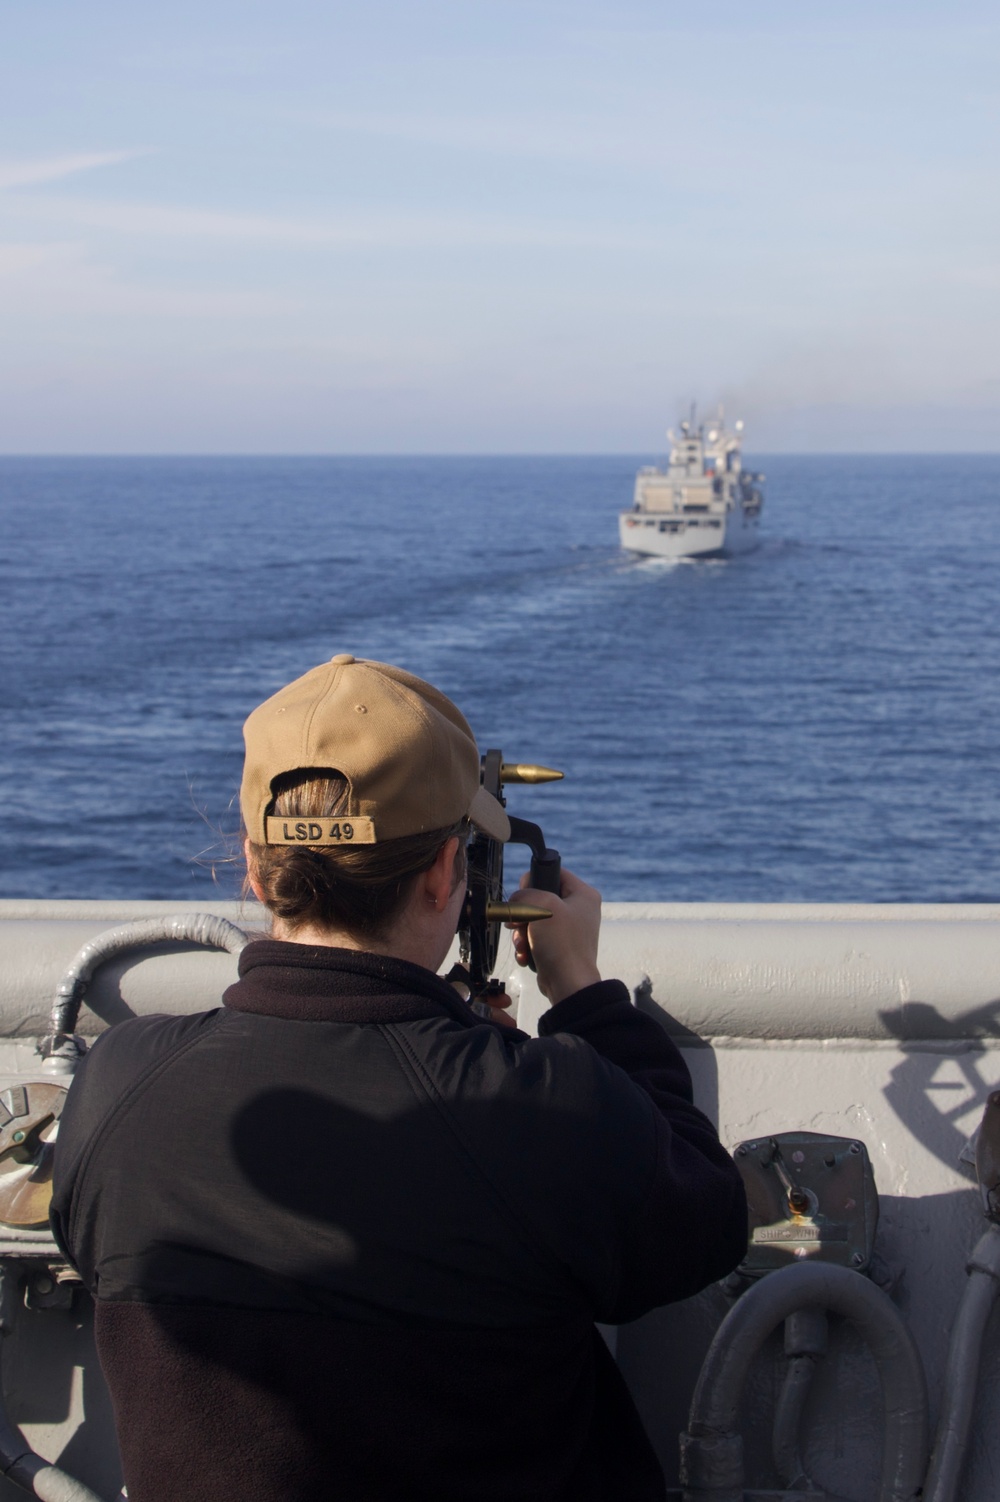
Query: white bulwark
x=865, y=1041
x=704, y=504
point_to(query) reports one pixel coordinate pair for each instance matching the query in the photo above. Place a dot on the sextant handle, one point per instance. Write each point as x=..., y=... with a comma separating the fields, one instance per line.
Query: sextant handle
x=546, y=870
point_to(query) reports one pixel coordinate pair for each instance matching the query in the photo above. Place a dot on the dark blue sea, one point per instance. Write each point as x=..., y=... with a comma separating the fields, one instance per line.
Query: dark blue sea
x=818, y=720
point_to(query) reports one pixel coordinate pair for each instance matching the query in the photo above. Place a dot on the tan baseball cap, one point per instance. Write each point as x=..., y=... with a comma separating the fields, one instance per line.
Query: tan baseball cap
x=407, y=753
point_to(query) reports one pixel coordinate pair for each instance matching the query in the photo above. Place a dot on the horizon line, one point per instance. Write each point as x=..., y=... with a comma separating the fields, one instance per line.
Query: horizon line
x=964, y=452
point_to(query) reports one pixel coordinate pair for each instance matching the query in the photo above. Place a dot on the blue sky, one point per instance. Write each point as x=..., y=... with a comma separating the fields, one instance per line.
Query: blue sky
x=497, y=227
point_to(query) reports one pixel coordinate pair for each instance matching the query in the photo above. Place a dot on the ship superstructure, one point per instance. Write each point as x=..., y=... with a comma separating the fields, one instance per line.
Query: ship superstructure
x=703, y=503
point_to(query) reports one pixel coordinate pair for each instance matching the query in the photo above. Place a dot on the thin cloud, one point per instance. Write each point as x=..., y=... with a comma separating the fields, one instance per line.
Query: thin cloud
x=596, y=139
x=435, y=231
x=24, y=174
x=63, y=281
x=502, y=135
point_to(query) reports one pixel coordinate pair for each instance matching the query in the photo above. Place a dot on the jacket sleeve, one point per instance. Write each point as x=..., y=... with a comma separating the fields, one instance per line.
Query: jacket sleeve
x=114, y=1066
x=689, y=1223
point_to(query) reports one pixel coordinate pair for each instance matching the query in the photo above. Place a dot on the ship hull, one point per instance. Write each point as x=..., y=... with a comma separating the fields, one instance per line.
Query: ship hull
x=653, y=536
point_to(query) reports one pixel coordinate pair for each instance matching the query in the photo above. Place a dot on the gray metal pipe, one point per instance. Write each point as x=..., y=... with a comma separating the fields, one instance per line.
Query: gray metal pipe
x=18, y=1461
x=961, y=1376
x=206, y=929
x=712, y=1450
x=785, y=1447
x=806, y=1334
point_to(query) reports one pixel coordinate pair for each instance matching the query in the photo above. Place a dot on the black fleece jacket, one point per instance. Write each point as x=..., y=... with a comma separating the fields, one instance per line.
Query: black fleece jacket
x=348, y=1241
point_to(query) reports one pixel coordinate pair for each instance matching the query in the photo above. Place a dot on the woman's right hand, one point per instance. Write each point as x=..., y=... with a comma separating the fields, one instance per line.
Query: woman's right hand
x=563, y=947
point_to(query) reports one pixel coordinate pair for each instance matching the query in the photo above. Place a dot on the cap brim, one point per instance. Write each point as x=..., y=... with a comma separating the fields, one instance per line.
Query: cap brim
x=488, y=815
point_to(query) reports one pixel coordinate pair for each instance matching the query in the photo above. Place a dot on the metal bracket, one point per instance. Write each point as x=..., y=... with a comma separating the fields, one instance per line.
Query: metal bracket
x=811, y=1196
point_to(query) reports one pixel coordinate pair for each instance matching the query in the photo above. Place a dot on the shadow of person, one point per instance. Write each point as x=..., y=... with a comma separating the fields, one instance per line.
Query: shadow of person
x=403, y=1312
x=937, y=1105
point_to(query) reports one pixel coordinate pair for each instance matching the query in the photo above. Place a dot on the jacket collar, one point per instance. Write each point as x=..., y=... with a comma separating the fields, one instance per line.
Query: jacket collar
x=313, y=983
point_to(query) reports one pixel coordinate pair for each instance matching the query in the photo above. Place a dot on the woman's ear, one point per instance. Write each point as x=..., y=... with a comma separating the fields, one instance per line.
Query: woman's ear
x=439, y=879
x=252, y=877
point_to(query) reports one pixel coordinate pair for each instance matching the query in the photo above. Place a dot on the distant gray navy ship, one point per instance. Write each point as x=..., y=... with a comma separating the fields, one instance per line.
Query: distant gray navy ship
x=703, y=505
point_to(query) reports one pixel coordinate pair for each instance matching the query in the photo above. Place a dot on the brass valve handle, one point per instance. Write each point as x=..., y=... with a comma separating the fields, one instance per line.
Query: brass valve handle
x=28, y=1114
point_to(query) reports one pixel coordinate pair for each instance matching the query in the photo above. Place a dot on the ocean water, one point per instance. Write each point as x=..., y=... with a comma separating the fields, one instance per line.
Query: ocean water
x=816, y=721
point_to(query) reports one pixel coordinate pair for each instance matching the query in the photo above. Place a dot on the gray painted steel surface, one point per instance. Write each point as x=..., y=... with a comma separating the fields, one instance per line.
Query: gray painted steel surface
x=881, y=1023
